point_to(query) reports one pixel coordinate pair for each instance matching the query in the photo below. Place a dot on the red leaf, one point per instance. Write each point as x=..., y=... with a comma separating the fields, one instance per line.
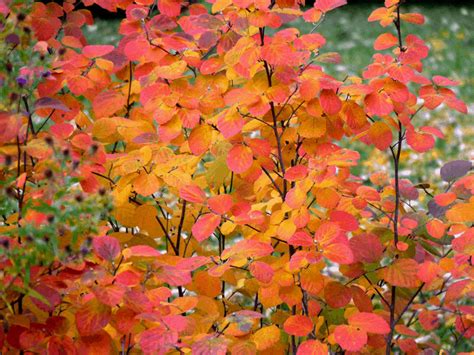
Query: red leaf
x=205, y=226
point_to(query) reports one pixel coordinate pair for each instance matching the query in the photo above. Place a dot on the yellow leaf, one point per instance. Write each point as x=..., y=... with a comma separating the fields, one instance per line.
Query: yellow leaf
x=266, y=337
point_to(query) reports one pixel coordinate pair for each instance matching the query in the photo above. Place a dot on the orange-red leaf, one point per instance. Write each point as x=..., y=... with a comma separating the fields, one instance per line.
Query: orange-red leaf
x=350, y=338
x=380, y=135
x=370, y=322
x=384, y=41
x=239, y=159
x=298, y=325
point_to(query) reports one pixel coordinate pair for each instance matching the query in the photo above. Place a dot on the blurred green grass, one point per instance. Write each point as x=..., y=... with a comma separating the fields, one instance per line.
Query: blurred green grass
x=448, y=31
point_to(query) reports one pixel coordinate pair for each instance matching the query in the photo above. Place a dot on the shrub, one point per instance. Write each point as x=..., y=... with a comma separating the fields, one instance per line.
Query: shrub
x=188, y=189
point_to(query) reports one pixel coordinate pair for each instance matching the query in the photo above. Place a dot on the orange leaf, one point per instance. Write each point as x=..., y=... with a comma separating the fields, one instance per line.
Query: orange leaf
x=380, y=135
x=462, y=212
x=200, y=139
x=402, y=273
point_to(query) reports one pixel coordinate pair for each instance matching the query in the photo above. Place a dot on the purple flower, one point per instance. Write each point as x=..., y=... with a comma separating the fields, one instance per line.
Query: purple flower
x=21, y=80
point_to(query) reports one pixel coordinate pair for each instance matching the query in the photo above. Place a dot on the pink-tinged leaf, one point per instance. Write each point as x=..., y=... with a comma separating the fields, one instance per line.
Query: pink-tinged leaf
x=261, y=271
x=443, y=81
x=94, y=51
x=295, y=173
x=91, y=317
x=312, y=347
x=370, y=322
x=192, y=193
x=380, y=135
x=106, y=247
x=378, y=104
x=385, y=41
x=50, y=103
x=239, y=159
x=205, y=226
x=298, y=325
x=350, y=338
x=220, y=204
x=156, y=338
x=419, y=142
x=328, y=5
x=330, y=102
x=345, y=220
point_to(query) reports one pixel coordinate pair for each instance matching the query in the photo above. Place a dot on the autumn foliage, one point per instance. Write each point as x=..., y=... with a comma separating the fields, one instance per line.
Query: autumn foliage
x=189, y=189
